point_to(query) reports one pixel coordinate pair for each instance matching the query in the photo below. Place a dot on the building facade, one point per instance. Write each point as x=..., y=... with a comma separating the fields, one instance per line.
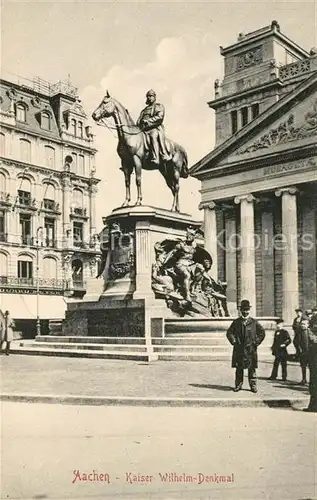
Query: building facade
x=259, y=184
x=47, y=199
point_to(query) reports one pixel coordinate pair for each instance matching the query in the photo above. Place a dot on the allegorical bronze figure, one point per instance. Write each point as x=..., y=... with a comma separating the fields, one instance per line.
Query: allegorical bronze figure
x=144, y=146
x=180, y=274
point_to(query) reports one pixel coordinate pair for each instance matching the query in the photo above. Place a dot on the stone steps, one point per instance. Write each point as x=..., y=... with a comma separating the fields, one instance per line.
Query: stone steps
x=69, y=351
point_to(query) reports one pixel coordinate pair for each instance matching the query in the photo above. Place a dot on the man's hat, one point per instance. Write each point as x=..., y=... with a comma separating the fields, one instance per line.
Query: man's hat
x=151, y=92
x=245, y=305
x=298, y=310
x=279, y=320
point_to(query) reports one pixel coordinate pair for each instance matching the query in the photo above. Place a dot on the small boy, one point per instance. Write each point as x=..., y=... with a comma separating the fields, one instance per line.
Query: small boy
x=281, y=340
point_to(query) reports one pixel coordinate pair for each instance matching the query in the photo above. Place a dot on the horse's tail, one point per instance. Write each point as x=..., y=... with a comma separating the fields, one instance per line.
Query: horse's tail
x=184, y=173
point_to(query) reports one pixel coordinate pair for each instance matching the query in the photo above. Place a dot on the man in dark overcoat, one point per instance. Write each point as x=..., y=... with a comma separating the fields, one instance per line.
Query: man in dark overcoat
x=279, y=350
x=245, y=334
x=312, y=363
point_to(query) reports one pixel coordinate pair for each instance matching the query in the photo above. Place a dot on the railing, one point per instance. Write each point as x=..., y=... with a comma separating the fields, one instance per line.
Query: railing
x=4, y=197
x=28, y=240
x=13, y=281
x=50, y=205
x=294, y=69
x=50, y=243
x=79, y=211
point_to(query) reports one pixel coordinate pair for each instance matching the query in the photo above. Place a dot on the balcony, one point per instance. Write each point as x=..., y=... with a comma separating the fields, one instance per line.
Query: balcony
x=28, y=240
x=50, y=206
x=47, y=284
x=78, y=212
x=50, y=243
x=4, y=198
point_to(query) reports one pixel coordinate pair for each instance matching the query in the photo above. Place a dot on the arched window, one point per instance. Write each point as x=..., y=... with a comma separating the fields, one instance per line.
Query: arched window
x=80, y=129
x=49, y=156
x=49, y=197
x=2, y=144
x=20, y=112
x=78, y=198
x=81, y=165
x=46, y=121
x=73, y=127
x=3, y=265
x=3, y=183
x=25, y=150
x=49, y=268
x=74, y=164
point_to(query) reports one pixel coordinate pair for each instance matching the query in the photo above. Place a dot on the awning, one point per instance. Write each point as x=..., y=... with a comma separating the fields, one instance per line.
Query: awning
x=24, y=306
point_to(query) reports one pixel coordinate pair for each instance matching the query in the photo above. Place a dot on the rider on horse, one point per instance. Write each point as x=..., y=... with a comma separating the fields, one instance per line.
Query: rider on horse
x=151, y=123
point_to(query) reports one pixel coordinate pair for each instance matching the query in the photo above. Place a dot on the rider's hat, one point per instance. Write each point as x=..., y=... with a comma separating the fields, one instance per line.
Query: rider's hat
x=151, y=92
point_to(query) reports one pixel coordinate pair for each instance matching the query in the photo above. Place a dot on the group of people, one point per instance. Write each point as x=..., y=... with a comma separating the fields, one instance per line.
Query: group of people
x=246, y=334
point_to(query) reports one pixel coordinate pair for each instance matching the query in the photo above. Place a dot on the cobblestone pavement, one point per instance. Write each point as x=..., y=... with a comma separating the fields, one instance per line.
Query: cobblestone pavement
x=22, y=374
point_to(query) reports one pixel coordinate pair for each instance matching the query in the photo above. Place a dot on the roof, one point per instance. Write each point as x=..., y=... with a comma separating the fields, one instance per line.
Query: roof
x=254, y=127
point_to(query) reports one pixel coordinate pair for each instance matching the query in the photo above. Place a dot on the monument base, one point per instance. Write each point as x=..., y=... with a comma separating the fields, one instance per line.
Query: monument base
x=127, y=306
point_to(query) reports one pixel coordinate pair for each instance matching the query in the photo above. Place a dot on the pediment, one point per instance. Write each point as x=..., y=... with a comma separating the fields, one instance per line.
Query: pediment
x=296, y=126
x=289, y=124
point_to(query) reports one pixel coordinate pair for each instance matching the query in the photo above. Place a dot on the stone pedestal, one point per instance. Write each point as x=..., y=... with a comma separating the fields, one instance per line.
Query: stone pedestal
x=127, y=305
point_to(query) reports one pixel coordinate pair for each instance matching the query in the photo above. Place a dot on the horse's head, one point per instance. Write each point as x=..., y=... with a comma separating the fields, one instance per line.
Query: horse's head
x=105, y=109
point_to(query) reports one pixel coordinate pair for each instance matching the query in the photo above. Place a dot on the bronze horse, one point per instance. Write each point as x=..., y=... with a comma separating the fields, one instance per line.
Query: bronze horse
x=133, y=153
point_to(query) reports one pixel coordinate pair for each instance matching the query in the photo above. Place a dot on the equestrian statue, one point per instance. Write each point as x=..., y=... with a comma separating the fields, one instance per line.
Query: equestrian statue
x=143, y=145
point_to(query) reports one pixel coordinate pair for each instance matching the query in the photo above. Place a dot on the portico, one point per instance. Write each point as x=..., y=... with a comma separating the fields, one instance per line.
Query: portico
x=259, y=189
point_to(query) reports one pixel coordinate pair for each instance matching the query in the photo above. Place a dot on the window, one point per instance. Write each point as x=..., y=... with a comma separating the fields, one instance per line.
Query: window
x=2, y=183
x=49, y=226
x=3, y=264
x=25, y=224
x=2, y=226
x=50, y=268
x=234, y=122
x=25, y=150
x=74, y=163
x=78, y=198
x=77, y=233
x=25, y=269
x=24, y=198
x=49, y=156
x=73, y=127
x=244, y=116
x=49, y=197
x=2, y=144
x=255, y=110
x=46, y=120
x=77, y=273
x=20, y=112
x=81, y=165
x=80, y=129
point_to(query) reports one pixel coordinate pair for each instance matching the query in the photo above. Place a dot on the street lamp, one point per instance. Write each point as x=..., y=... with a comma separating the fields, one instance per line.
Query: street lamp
x=38, y=321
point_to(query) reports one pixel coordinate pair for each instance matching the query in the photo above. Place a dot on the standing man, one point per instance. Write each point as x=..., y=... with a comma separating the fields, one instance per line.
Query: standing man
x=7, y=332
x=297, y=328
x=312, y=363
x=279, y=349
x=303, y=348
x=245, y=334
x=151, y=123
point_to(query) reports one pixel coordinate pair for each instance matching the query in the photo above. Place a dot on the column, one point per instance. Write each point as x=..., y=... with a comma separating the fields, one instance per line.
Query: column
x=67, y=230
x=290, y=251
x=210, y=235
x=92, y=211
x=230, y=227
x=246, y=245
x=143, y=260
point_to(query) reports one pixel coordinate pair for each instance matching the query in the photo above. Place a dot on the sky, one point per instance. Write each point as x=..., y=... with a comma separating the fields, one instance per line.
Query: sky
x=128, y=48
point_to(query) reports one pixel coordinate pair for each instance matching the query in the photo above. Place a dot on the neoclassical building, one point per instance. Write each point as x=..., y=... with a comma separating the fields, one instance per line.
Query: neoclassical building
x=47, y=200
x=259, y=183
